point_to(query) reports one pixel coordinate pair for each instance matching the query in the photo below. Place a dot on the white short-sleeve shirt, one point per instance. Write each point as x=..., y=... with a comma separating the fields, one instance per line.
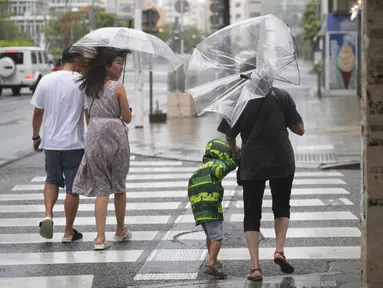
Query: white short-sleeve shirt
x=64, y=104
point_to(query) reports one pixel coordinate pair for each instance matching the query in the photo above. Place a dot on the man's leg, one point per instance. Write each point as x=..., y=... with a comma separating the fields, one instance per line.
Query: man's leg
x=51, y=193
x=53, y=181
x=71, y=162
x=71, y=207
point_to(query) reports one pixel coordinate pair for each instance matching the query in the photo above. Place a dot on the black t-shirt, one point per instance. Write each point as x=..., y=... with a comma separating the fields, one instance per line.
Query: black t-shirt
x=267, y=152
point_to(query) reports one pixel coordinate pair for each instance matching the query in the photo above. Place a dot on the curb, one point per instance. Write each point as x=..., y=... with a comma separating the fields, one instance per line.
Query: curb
x=345, y=165
x=166, y=157
x=10, y=161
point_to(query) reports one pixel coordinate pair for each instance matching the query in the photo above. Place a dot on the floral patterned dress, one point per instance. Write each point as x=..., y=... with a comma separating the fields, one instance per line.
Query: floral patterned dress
x=106, y=161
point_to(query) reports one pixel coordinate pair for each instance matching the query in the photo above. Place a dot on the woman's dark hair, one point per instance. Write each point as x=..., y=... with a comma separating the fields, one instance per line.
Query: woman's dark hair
x=93, y=81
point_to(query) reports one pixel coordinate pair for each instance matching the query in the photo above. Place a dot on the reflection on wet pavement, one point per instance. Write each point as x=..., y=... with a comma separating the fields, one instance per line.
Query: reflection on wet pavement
x=331, y=123
x=327, y=280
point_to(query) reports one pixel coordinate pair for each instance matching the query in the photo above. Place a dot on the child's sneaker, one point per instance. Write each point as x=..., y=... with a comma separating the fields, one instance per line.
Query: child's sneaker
x=218, y=264
x=214, y=271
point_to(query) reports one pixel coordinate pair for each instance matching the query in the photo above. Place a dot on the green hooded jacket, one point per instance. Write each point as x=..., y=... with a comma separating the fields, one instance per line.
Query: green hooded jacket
x=205, y=189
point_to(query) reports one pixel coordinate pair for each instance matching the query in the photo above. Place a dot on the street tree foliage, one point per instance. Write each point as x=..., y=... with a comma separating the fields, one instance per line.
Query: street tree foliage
x=9, y=32
x=65, y=30
x=311, y=25
x=189, y=40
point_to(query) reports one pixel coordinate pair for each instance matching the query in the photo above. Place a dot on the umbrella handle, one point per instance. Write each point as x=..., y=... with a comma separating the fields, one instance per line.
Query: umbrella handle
x=243, y=76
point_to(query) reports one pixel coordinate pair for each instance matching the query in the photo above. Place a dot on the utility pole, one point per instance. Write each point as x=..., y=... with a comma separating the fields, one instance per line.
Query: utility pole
x=115, y=18
x=182, y=26
x=170, y=21
x=139, y=77
x=93, y=25
x=226, y=13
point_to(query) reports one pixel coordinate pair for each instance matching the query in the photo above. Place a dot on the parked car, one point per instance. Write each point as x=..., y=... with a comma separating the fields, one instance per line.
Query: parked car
x=22, y=67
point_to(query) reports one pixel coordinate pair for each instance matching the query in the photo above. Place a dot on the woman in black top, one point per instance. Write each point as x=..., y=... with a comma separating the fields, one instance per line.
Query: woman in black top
x=266, y=154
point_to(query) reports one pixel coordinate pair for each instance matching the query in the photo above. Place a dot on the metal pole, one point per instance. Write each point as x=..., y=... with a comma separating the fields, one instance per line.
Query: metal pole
x=170, y=26
x=139, y=83
x=151, y=91
x=182, y=26
x=150, y=14
x=93, y=26
x=126, y=56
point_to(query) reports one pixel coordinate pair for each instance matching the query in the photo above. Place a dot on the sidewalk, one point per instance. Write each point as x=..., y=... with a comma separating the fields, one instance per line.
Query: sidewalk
x=332, y=130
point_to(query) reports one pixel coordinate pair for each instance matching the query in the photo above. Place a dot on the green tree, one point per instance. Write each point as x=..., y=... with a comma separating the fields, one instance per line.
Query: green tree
x=192, y=37
x=311, y=26
x=68, y=28
x=9, y=43
x=103, y=19
x=10, y=35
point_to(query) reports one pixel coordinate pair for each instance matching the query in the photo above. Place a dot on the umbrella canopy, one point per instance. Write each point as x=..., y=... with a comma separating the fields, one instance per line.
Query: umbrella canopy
x=240, y=62
x=149, y=52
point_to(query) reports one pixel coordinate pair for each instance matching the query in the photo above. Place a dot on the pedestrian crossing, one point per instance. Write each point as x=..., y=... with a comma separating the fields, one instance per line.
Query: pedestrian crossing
x=166, y=244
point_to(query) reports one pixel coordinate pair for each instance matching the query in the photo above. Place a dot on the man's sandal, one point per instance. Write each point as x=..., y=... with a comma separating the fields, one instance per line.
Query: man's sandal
x=257, y=278
x=286, y=267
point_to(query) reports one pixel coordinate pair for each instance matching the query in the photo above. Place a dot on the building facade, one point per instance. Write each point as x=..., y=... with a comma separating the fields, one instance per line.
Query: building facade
x=197, y=14
x=244, y=9
x=30, y=16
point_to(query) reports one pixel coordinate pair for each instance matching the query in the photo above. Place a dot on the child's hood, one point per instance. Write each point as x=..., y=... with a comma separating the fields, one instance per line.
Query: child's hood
x=217, y=149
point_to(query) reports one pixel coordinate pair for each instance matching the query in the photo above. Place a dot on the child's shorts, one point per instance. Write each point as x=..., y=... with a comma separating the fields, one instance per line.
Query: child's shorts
x=213, y=230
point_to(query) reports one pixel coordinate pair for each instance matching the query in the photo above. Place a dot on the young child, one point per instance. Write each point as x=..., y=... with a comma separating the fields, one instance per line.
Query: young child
x=205, y=193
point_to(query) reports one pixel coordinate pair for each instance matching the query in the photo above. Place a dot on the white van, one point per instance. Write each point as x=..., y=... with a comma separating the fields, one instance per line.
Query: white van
x=22, y=67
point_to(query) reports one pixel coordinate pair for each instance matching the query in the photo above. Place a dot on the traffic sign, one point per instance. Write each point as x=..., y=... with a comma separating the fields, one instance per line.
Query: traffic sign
x=177, y=6
x=150, y=17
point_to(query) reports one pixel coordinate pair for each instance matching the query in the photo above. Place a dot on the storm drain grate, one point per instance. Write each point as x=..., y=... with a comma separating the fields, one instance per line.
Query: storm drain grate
x=315, y=157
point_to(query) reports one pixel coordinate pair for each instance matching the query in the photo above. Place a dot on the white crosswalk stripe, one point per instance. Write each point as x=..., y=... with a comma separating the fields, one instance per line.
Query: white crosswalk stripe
x=184, y=184
x=158, y=211
x=84, y=281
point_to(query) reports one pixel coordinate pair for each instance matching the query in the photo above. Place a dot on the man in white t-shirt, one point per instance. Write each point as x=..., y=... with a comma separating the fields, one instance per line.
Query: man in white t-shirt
x=59, y=112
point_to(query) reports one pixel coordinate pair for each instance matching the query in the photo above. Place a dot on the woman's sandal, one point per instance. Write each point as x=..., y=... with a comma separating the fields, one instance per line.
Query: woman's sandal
x=126, y=237
x=286, y=267
x=257, y=278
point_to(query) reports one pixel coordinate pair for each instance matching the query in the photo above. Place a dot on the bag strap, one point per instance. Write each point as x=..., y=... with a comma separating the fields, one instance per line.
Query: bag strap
x=255, y=122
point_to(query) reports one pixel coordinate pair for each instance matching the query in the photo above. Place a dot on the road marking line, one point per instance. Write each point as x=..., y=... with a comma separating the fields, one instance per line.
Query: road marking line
x=70, y=257
x=83, y=281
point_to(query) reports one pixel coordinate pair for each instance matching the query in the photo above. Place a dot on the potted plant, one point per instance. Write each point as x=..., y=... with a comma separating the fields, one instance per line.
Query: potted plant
x=157, y=116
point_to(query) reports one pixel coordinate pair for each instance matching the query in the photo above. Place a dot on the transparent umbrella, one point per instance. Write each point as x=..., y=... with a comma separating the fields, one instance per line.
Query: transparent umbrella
x=240, y=62
x=149, y=52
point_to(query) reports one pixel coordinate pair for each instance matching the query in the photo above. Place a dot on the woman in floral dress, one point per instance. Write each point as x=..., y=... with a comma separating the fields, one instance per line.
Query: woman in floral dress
x=105, y=164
